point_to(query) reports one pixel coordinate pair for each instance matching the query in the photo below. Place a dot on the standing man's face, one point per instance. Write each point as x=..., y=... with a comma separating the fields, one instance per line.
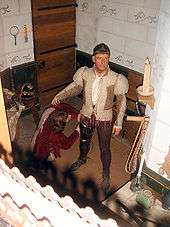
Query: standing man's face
x=101, y=62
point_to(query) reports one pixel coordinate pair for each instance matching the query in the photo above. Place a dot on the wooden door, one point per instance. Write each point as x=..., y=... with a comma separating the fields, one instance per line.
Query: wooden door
x=54, y=24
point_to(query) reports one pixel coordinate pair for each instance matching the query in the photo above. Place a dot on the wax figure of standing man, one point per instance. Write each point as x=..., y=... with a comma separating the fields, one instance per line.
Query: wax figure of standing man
x=99, y=85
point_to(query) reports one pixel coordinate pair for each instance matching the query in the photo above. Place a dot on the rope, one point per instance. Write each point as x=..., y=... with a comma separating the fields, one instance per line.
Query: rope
x=131, y=163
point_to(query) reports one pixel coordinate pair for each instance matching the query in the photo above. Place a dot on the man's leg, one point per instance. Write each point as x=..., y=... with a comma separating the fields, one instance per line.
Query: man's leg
x=86, y=133
x=104, y=131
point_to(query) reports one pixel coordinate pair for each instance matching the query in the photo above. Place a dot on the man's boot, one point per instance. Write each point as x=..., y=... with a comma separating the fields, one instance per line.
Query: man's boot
x=77, y=164
x=85, y=138
x=84, y=148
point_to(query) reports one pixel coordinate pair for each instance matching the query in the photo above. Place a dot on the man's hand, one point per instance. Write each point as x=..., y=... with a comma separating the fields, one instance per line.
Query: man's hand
x=78, y=128
x=55, y=101
x=79, y=117
x=68, y=118
x=116, y=130
x=51, y=157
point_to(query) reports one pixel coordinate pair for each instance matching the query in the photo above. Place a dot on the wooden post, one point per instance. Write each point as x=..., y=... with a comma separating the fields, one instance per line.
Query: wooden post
x=5, y=141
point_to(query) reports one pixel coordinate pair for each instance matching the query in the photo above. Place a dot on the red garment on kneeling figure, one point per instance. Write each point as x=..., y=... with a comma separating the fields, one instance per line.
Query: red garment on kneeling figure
x=48, y=140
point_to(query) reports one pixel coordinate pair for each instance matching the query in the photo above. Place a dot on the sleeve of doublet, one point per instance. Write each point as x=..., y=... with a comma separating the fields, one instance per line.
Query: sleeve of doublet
x=78, y=76
x=121, y=88
x=121, y=85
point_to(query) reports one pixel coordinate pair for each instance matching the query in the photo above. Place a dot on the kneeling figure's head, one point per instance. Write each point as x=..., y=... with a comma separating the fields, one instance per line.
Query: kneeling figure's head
x=57, y=120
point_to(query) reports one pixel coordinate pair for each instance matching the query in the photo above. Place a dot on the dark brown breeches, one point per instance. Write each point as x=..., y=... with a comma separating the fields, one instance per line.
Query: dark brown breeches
x=104, y=131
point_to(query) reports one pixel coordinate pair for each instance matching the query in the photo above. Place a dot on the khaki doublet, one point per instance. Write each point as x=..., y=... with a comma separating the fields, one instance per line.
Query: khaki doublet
x=110, y=85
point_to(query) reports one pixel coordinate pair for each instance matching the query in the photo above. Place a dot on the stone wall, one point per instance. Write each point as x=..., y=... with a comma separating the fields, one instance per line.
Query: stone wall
x=158, y=139
x=15, y=21
x=128, y=27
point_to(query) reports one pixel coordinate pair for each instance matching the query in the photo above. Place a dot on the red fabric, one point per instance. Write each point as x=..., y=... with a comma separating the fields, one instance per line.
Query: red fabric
x=49, y=139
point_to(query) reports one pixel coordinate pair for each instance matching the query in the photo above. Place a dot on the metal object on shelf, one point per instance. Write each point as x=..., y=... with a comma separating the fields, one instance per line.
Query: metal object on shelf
x=166, y=200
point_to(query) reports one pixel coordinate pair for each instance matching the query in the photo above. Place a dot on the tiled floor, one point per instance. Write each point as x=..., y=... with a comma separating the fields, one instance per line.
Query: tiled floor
x=123, y=202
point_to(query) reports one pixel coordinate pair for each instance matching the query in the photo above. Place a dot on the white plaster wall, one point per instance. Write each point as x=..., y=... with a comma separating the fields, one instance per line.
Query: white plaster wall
x=86, y=25
x=158, y=141
x=15, y=13
x=128, y=27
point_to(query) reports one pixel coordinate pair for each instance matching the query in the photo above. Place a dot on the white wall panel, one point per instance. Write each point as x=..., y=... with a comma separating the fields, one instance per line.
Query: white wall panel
x=125, y=23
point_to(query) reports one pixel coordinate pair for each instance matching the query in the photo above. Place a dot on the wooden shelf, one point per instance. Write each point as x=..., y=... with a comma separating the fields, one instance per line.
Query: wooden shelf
x=150, y=100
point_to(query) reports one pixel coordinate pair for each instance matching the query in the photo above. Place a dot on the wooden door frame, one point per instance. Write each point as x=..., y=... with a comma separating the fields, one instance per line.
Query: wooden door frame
x=5, y=141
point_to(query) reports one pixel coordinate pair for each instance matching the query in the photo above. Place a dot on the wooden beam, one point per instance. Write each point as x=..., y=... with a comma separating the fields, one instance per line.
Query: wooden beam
x=5, y=141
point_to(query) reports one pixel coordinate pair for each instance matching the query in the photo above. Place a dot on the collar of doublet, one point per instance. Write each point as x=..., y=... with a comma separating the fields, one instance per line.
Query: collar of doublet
x=101, y=74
